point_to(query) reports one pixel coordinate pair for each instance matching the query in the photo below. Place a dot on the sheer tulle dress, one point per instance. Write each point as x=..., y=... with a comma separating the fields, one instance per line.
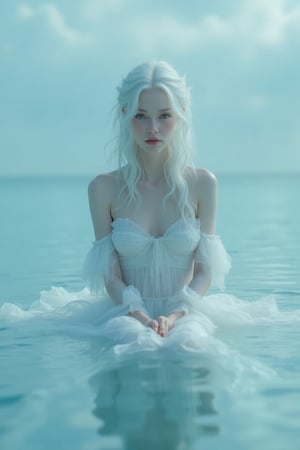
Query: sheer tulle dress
x=158, y=267
x=157, y=271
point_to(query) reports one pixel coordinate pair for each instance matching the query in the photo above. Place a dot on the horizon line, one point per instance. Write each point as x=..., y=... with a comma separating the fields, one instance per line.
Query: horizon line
x=91, y=175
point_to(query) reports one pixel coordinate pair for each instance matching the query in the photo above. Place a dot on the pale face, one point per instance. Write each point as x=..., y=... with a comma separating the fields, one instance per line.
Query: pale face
x=155, y=121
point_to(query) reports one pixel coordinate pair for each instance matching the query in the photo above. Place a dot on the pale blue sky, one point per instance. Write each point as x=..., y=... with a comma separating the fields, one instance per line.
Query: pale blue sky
x=60, y=63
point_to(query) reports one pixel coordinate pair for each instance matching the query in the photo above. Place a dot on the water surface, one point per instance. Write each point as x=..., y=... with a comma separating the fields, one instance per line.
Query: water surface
x=63, y=389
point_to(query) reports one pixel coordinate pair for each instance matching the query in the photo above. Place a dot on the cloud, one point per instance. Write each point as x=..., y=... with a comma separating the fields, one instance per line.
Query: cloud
x=173, y=33
x=56, y=22
x=95, y=10
x=246, y=27
x=61, y=62
x=265, y=22
x=253, y=25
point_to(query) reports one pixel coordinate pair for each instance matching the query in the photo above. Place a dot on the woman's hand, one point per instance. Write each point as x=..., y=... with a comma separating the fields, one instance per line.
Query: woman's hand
x=166, y=323
x=162, y=325
x=145, y=320
x=153, y=324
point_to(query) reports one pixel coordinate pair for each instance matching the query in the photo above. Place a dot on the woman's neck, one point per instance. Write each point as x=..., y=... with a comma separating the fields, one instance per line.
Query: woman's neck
x=153, y=167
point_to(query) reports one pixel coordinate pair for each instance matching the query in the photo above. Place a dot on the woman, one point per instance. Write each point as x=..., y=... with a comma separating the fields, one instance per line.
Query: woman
x=155, y=217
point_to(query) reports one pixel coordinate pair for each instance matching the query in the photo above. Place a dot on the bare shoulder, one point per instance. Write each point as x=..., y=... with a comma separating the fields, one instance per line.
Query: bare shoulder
x=103, y=182
x=203, y=190
x=205, y=178
x=102, y=192
x=104, y=188
x=202, y=183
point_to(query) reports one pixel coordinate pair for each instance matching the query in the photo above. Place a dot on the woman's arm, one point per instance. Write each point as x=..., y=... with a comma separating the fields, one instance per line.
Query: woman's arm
x=203, y=192
x=206, y=198
x=102, y=190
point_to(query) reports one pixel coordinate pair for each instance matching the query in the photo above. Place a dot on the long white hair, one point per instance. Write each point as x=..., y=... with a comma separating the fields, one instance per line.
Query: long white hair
x=157, y=74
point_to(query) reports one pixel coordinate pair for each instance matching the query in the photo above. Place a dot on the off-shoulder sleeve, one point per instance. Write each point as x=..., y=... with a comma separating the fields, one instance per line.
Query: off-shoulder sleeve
x=99, y=264
x=211, y=252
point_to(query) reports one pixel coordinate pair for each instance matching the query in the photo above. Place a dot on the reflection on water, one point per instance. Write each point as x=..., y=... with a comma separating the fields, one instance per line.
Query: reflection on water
x=155, y=403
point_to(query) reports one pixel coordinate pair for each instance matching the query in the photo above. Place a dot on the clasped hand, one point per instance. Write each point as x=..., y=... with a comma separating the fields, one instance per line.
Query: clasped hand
x=162, y=324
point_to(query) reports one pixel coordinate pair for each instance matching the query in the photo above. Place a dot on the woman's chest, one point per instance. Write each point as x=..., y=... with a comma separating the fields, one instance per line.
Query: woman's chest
x=178, y=241
x=153, y=212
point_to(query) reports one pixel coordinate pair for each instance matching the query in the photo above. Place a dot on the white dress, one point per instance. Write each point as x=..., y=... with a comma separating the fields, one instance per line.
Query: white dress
x=157, y=271
x=157, y=266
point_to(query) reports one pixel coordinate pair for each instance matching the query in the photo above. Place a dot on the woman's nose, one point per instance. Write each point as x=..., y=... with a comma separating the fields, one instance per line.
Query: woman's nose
x=152, y=126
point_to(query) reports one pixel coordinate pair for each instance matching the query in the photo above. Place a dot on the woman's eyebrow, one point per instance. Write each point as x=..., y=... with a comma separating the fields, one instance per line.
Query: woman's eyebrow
x=160, y=110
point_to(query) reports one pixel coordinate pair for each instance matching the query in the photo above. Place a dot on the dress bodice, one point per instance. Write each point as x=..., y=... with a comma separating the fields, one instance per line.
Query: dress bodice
x=137, y=248
x=156, y=266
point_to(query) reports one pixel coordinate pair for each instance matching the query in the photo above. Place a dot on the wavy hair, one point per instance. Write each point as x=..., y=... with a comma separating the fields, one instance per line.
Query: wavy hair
x=157, y=74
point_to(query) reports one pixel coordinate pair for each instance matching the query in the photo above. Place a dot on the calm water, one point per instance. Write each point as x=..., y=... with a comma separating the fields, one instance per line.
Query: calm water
x=63, y=390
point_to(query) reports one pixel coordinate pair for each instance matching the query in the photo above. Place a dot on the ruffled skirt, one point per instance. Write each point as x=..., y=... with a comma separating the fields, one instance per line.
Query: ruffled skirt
x=82, y=314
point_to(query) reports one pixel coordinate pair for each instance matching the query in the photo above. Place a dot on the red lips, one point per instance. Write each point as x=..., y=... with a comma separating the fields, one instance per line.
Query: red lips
x=152, y=141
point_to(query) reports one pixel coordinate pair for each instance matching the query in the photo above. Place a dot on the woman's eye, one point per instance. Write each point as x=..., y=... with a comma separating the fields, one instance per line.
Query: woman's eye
x=139, y=116
x=165, y=116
